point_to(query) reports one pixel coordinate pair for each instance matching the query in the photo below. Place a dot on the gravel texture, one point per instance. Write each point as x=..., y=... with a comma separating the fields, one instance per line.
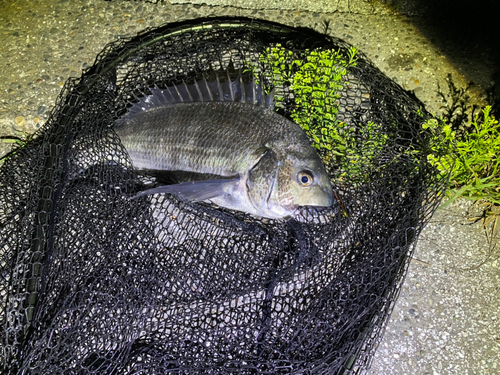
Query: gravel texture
x=321, y=6
x=446, y=320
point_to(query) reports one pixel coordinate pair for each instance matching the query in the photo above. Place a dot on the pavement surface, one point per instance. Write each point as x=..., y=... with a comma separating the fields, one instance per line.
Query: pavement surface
x=446, y=320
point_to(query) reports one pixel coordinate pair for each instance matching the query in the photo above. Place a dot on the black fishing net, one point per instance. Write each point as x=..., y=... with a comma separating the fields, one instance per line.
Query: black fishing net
x=94, y=283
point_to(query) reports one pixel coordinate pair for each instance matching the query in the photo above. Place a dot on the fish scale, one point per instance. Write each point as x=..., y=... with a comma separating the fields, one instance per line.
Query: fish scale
x=179, y=135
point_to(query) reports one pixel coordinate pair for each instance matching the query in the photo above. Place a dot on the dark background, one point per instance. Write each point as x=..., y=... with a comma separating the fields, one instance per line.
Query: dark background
x=467, y=32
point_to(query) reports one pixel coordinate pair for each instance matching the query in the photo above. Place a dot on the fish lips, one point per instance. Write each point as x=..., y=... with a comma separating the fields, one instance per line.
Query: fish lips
x=325, y=198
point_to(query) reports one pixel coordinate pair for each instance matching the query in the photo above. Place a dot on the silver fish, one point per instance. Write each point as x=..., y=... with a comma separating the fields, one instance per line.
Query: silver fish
x=258, y=161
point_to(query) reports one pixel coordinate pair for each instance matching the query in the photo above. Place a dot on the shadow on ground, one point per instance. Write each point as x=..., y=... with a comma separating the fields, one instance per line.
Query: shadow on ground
x=467, y=32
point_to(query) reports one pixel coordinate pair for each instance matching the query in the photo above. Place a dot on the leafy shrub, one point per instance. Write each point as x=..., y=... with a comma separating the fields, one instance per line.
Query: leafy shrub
x=475, y=173
x=316, y=80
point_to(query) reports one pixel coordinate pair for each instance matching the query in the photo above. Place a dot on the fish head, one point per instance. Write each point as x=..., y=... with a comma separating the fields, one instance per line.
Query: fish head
x=303, y=178
x=279, y=183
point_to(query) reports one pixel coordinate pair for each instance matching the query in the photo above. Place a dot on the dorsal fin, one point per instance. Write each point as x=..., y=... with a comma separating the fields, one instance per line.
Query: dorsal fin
x=204, y=91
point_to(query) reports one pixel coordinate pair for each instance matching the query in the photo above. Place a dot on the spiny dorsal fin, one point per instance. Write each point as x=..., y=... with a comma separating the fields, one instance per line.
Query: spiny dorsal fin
x=226, y=90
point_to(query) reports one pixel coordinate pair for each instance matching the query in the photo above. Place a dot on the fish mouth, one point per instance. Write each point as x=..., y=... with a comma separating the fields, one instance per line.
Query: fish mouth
x=325, y=198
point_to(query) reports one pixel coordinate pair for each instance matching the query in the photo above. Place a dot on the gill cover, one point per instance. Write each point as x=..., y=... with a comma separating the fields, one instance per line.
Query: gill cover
x=262, y=183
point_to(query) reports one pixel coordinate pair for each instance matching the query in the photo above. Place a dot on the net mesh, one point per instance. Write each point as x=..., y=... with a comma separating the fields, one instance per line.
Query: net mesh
x=94, y=283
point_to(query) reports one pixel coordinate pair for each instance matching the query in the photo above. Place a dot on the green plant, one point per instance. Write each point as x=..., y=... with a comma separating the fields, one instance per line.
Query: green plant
x=475, y=174
x=316, y=79
x=20, y=140
x=316, y=87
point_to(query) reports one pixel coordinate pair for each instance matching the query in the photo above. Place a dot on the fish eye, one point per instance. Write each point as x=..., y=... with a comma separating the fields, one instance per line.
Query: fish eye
x=305, y=178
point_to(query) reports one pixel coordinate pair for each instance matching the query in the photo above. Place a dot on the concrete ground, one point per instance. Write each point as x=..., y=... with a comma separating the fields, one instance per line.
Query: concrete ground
x=446, y=320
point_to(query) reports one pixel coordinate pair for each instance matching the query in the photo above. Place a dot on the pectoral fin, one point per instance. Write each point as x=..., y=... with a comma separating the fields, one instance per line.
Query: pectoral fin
x=195, y=190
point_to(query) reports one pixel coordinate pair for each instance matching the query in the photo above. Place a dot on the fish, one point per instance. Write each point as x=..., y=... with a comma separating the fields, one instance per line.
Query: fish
x=240, y=153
